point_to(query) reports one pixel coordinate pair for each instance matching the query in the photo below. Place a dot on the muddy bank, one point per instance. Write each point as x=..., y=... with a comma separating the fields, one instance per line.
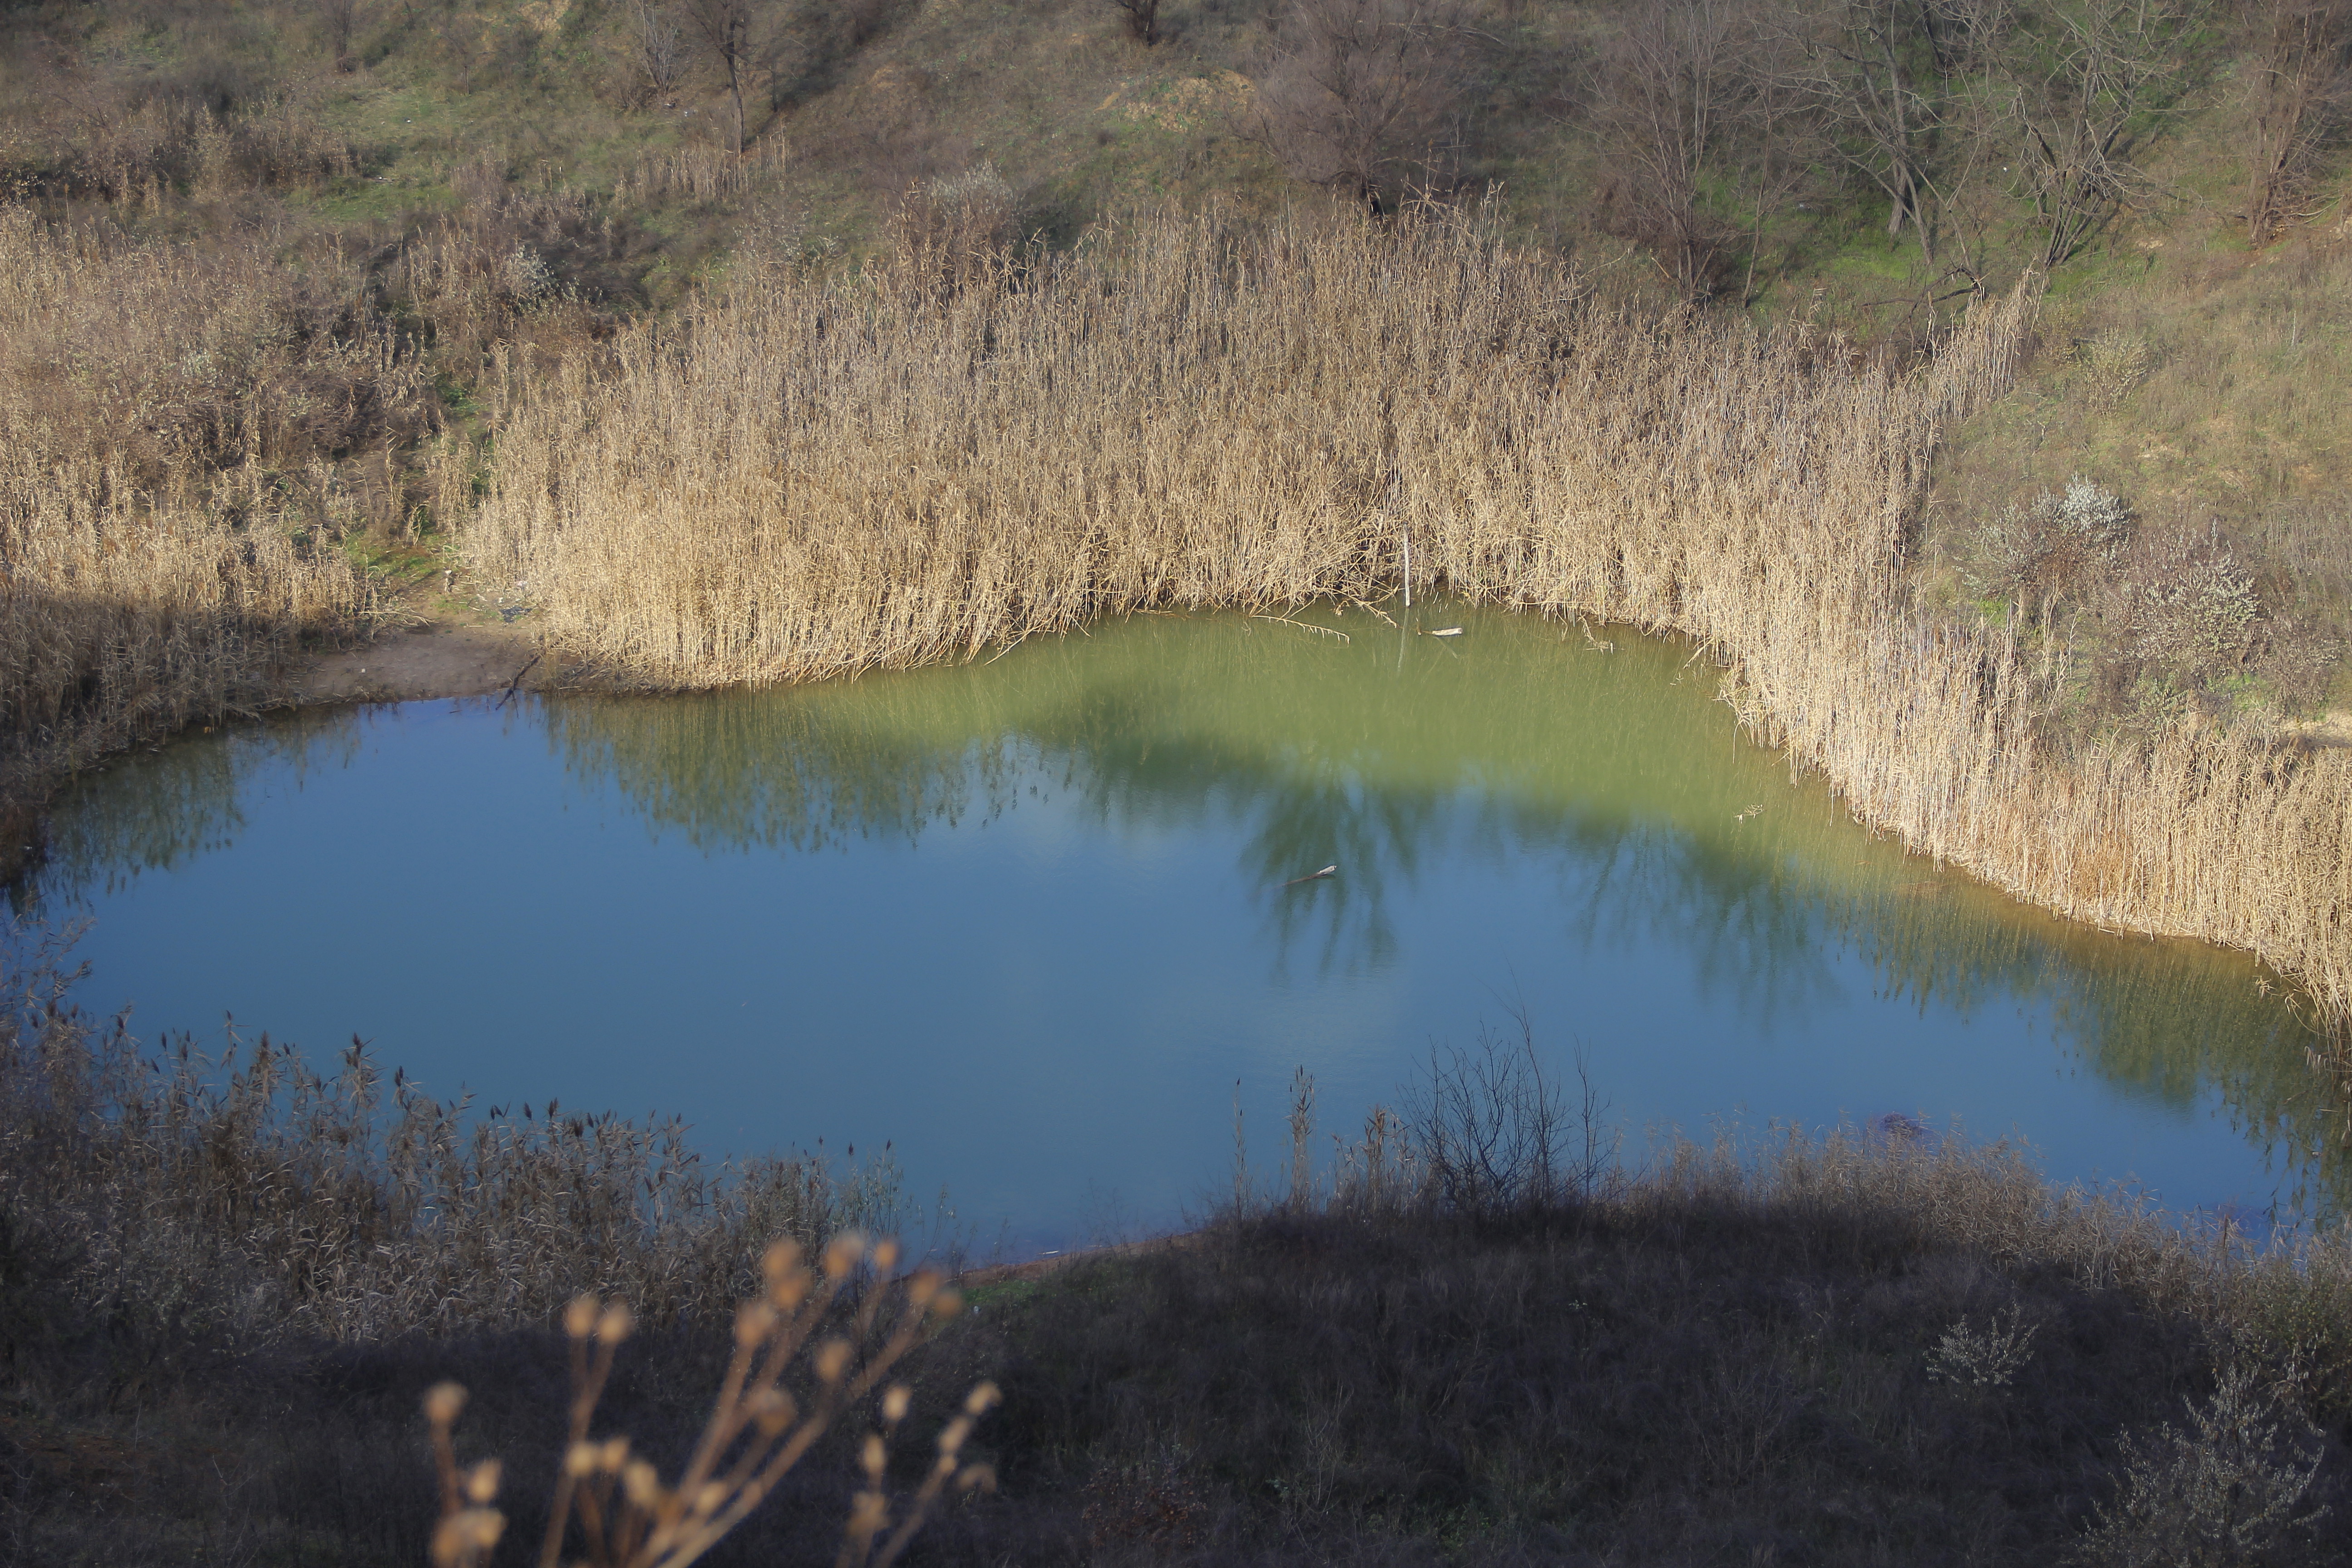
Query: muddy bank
x=436, y=658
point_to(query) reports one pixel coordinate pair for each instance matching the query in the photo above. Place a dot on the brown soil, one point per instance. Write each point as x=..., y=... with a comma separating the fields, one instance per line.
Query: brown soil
x=440, y=658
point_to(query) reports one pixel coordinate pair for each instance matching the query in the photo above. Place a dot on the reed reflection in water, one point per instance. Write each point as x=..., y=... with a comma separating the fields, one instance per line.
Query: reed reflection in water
x=1517, y=816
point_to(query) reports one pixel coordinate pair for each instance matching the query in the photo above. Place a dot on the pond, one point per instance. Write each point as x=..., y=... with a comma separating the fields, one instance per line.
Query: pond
x=1035, y=922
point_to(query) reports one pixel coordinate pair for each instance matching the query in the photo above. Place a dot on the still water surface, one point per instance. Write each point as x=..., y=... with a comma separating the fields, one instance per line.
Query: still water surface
x=1026, y=921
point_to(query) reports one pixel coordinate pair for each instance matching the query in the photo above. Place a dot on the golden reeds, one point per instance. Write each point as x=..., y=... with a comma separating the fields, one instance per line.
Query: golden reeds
x=159, y=524
x=806, y=477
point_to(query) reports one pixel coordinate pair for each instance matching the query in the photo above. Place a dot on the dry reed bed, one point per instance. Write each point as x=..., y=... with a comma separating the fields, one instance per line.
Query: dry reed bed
x=249, y=1196
x=806, y=477
x=157, y=565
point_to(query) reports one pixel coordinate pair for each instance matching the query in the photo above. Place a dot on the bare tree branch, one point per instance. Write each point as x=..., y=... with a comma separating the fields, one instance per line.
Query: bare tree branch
x=726, y=27
x=1892, y=81
x=2298, y=55
x=1360, y=87
x=1665, y=105
x=658, y=45
x=2099, y=77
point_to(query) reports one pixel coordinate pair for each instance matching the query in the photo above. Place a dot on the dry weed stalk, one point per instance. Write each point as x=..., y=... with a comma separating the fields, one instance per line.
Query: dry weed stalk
x=808, y=477
x=626, y=1517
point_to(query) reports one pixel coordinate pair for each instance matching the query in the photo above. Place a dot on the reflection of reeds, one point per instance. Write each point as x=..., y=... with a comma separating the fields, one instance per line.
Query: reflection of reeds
x=814, y=477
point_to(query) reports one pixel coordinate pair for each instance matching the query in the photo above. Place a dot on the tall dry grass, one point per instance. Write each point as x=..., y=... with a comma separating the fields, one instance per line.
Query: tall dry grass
x=247, y=1197
x=168, y=415
x=806, y=477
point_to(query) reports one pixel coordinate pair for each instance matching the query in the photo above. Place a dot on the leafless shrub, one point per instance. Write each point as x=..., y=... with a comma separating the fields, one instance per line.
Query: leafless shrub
x=2087, y=99
x=1985, y=1358
x=2298, y=91
x=2298, y=658
x=2229, y=1489
x=1493, y=1136
x=2191, y=603
x=657, y=48
x=1668, y=102
x=2115, y=360
x=526, y=274
x=734, y=31
x=1359, y=90
x=2050, y=548
x=512, y=265
x=954, y=232
x=1894, y=85
x=1486, y=1135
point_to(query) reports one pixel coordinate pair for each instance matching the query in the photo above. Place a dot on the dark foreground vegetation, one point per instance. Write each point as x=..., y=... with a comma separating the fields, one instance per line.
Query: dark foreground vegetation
x=1474, y=1338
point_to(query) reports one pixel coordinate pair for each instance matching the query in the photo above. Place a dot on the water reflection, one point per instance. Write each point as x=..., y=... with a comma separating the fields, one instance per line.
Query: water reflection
x=1517, y=742
x=162, y=807
x=1610, y=782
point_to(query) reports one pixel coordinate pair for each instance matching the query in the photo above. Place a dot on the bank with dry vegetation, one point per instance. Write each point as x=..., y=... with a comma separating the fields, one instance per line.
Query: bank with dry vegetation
x=158, y=569
x=810, y=474
x=1476, y=1336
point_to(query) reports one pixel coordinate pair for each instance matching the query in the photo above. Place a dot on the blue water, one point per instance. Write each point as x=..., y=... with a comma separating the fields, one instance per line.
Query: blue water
x=1024, y=922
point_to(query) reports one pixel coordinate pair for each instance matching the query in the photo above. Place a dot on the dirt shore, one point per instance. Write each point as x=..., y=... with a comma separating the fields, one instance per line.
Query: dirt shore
x=436, y=658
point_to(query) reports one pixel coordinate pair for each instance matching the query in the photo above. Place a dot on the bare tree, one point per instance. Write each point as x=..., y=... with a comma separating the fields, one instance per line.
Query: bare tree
x=1892, y=82
x=2298, y=60
x=1143, y=19
x=1665, y=103
x=658, y=45
x=342, y=20
x=1360, y=87
x=2096, y=81
x=729, y=26
x=1781, y=148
